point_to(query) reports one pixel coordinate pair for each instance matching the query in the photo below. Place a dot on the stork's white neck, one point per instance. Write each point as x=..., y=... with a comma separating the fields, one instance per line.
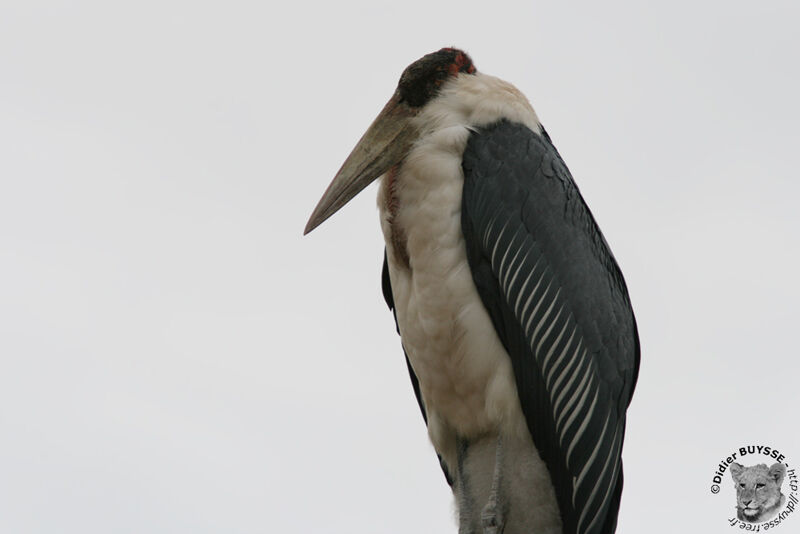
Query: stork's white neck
x=476, y=100
x=465, y=102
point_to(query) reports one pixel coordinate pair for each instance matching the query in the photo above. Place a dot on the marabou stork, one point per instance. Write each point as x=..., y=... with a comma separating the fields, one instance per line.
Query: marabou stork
x=513, y=314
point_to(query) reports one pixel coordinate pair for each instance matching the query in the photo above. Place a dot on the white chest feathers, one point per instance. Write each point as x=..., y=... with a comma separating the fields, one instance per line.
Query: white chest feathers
x=465, y=375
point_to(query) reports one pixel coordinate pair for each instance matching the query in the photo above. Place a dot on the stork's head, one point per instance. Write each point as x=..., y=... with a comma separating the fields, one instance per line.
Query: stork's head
x=392, y=133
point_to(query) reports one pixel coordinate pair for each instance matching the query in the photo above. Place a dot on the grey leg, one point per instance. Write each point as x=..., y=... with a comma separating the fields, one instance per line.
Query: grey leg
x=493, y=515
x=466, y=506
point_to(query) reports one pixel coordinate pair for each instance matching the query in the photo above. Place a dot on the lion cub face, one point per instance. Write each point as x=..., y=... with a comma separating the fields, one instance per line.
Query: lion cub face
x=758, y=491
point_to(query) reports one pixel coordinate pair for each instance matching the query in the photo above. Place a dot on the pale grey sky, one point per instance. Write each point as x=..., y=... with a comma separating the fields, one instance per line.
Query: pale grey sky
x=177, y=358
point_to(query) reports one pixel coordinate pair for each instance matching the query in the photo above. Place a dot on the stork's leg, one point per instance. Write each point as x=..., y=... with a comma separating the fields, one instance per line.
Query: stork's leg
x=493, y=515
x=467, y=522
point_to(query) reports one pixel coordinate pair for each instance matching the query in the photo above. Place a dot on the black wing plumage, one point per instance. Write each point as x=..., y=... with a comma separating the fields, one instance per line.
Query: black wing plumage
x=561, y=309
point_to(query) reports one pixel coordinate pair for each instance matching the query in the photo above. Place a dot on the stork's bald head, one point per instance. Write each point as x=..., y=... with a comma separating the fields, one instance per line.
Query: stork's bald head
x=421, y=80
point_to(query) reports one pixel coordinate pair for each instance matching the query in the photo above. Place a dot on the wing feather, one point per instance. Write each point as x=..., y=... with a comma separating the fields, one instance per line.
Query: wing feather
x=560, y=306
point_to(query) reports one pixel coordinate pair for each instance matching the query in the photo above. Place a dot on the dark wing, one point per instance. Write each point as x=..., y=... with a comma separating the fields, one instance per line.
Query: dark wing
x=386, y=285
x=560, y=306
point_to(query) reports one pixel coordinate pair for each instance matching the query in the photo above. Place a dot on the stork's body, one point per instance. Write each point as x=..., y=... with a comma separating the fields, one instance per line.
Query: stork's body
x=465, y=377
x=512, y=312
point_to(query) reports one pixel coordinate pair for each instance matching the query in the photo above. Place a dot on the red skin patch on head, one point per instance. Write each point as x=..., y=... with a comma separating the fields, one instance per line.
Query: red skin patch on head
x=461, y=61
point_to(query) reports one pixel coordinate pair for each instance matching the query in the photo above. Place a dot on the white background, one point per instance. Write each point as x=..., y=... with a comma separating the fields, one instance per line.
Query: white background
x=175, y=357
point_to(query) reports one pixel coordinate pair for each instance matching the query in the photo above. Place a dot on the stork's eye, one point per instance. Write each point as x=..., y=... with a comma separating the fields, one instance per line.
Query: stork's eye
x=760, y=485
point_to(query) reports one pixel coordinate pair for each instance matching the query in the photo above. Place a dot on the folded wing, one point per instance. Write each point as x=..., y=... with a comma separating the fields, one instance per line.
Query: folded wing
x=561, y=309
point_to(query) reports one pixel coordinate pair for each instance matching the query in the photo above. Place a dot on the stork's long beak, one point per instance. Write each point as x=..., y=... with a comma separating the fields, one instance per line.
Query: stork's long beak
x=385, y=144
